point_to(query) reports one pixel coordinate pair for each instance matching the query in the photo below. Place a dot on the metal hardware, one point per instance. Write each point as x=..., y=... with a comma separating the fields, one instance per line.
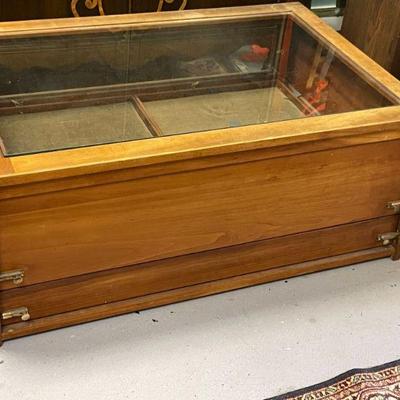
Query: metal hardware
x=98, y=5
x=16, y=276
x=388, y=238
x=21, y=312
x=395, y=205
x=182, y=6
x=392, y=239
x=89, y=4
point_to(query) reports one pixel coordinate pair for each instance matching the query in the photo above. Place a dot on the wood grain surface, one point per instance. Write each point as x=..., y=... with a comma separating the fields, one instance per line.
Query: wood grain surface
x=374, y=27
x=190, y=292
x=73, y=232
x=124, y=283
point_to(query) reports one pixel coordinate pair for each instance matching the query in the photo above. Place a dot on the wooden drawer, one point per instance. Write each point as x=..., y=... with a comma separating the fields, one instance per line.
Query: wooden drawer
x=106, y=287
x=57, y=235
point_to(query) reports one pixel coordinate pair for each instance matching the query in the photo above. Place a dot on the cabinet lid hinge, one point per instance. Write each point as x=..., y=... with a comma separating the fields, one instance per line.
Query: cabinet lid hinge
x=16, y=276
x=394, y=205
x=20, y=312
x=392, y=239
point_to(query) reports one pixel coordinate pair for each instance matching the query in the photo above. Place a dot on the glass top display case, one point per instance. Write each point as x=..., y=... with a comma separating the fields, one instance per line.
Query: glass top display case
x=155, y=158
x=71, y=88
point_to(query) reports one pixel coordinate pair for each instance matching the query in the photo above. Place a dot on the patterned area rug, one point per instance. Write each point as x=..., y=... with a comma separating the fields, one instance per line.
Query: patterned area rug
x=378, y=383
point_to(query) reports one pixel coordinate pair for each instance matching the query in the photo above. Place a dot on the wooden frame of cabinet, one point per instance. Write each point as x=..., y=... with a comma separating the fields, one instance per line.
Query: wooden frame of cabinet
x=213, y=211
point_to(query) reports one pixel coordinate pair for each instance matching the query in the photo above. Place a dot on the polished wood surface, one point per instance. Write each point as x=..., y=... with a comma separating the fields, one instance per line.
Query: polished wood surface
x=374, y=27
x=99, y=288
x=63, y=234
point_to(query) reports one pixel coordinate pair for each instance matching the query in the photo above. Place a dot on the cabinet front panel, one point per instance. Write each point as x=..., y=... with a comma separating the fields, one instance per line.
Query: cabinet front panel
x=124, y=283
x=74, y=232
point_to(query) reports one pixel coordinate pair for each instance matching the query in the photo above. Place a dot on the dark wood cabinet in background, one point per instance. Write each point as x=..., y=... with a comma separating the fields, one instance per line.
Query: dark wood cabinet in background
x=42, y=9
x=374, y=27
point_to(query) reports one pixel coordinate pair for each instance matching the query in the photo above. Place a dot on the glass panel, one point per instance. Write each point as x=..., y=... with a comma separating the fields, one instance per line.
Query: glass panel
x=61, y=92
x=71, y=127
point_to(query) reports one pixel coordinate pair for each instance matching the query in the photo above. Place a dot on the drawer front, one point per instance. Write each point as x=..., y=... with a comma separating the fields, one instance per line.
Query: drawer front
x=124, y=283
x=73, y=232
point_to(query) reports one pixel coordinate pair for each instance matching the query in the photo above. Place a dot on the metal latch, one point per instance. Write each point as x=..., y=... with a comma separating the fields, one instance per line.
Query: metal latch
x=389, y=238
x=16, y=276
x=392, y=238
x=20, y=312
x=395, y=205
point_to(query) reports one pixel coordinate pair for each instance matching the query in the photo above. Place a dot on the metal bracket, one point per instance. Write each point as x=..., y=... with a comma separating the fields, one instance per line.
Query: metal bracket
x=392, y=239
x=16, y=276
x=20, y=312
x=394, y=205
x=389, y=238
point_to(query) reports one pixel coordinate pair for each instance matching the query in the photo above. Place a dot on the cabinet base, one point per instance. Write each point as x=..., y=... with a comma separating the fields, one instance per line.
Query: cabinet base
x=186, y=293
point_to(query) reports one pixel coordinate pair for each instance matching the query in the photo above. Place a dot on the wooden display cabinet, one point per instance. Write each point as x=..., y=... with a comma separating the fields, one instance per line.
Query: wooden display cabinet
x=158, y=158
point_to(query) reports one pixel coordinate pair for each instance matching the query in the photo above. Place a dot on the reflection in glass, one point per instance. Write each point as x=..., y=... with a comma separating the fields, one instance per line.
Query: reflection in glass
x=76, y=90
